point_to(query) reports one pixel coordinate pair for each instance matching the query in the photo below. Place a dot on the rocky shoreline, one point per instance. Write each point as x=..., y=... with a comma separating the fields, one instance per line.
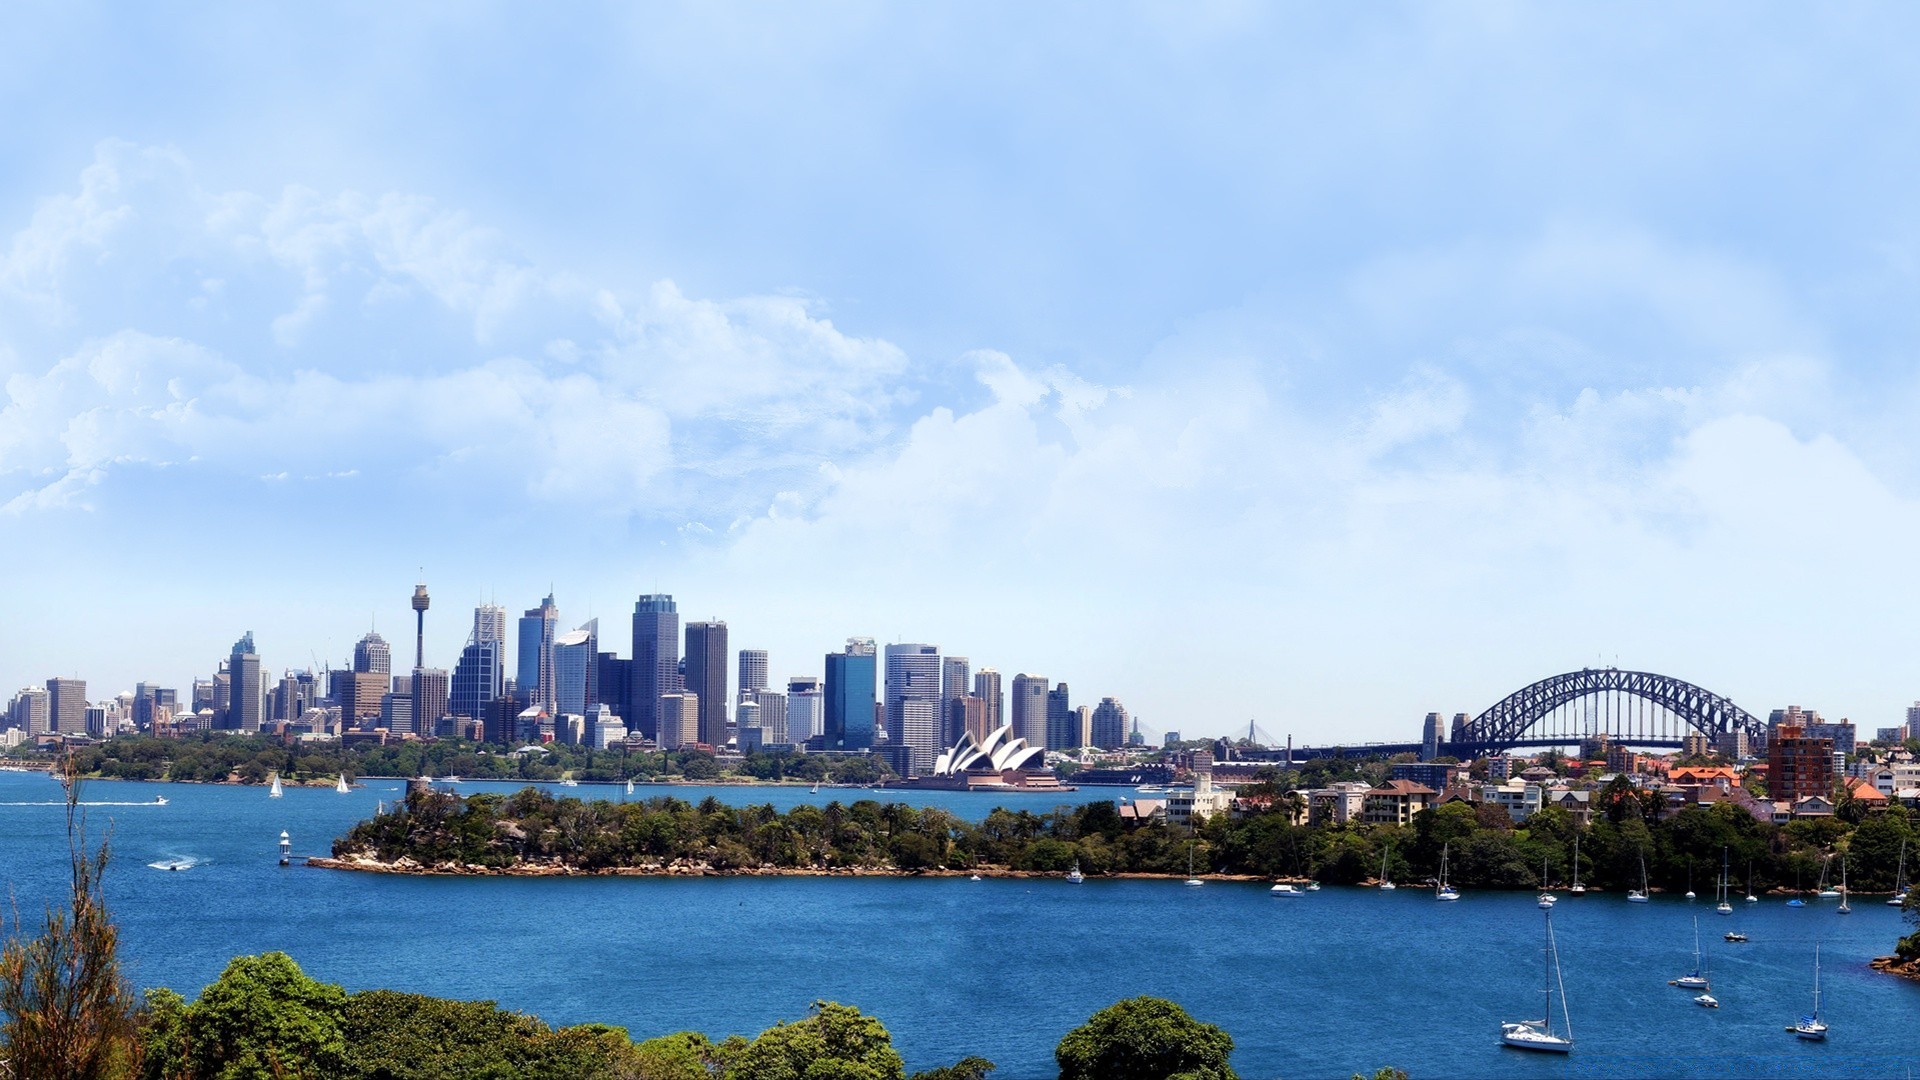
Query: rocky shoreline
x=690, y=868
x=1893, y=965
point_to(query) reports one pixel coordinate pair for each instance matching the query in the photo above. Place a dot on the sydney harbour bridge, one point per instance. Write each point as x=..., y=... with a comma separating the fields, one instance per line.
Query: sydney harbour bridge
x=1637, y=708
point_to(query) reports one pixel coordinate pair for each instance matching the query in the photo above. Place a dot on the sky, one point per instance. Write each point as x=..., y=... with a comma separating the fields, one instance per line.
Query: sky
x=1314, y=365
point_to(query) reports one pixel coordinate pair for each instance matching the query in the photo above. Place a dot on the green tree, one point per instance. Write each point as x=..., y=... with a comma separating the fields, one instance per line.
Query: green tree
x=262, y=1019
x=1144, y=1038
x=967, y=1068
x=837, y=1042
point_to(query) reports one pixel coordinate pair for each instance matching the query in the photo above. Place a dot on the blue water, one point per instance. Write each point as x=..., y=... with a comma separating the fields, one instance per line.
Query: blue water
x=1342, y=981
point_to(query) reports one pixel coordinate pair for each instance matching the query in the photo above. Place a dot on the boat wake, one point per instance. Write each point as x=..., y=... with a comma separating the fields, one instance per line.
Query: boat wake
x=177, y=862
x=63, y=802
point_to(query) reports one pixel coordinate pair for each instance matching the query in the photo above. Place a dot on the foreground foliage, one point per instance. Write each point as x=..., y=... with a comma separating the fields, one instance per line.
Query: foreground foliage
x=1145, y=1038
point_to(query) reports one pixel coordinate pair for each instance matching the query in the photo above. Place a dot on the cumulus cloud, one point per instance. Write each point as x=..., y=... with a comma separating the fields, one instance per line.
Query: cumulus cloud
x=156, y=321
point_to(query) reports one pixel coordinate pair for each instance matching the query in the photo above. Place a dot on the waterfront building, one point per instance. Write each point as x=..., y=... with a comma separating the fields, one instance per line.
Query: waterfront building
x=707, y=677
x=534, y=663
x=654, y=669
x=431, y=694
x=1028, y=709
x=1188, y=808
x=576, y=668
x=1519, y=797
x=1798, y=765
x=1338, y=803
x=1110, y=724
x=370, y=654
x=30, y=711
x=679, y=719
x=851, y=696
x=1395, y=802
x=806, y=709
x=986, y=687
x=753, y=671
x=913, y=702
x=1062, y=732
x=67, y=706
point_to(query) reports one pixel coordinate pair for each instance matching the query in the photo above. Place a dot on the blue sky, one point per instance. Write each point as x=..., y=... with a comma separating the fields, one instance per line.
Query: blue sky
x=1299, y=363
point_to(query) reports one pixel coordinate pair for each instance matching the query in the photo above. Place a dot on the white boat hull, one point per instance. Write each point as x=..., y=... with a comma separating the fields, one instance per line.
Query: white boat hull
x=1528, y=1037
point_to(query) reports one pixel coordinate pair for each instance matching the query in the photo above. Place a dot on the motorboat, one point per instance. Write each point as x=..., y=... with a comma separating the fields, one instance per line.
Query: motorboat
x=159, y=800
x=1540, y=1034
x=1313, y=886
x=1707, y=1001
x=1074, y=876
x=1284, y=889
x=568, y=781
x=1735, y=936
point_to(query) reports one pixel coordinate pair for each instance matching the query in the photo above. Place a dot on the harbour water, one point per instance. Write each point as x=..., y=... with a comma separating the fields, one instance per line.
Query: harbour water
x=1344, y=980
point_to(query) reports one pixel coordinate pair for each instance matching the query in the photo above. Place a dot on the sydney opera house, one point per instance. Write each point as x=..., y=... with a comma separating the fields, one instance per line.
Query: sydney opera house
x=997, y=762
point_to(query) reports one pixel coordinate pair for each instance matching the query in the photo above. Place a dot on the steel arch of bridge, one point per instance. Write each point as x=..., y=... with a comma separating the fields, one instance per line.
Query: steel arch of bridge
x=1510, y=720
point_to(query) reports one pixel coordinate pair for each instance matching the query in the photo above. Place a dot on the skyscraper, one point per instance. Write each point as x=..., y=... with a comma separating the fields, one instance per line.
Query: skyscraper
x=850, y=696
x=913, y=701
x=753, y=671
x=986, y=687
x=773, y=716
x=654, y=670
x=535, y=662
x=431, y=694
x=1029, y=708
x=707, y=677
x=1110, y=723
x=490, y=623
x=679, y=719
x=31, y=711
x=371, y=653
x=955, y=681
x=576, y=656
x=67, y=706
x=246, y=694
x=806, y=712
x=478, y=681
x=1062, y=730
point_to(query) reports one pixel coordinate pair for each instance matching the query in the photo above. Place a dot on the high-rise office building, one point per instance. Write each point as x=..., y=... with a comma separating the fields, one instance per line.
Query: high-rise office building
x=707, y=677
x=611, y=681
x=479, y=677
x=359, y=694
x=371, y=654
x=1110, y=724
x=972, y=713
x=986, y=687
x=31, y=712
x=654, y=670
x=773, y=716
x=913, y=702
x=679, y=719
x=753, y=672
x=431, y=694
x=535, y=661
x=1028, y=709
x=246, y=694
x=67, y=706
x=576, y=669
x=956, y=681
x=806, y=709
x=150, y=702
x=1063, y=732
x=851, y=696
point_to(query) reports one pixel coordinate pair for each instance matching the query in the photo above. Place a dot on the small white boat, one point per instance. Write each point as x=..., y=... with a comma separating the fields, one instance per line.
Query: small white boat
x=1191, y=880
x=449, y=779
x=1540, y=1034
x=1284, y=889
x=1386, y=884
x=1900, y=879
x=1735, y=936
x=1697, y=978
x=1577, y=889
x=1639, y=895
x=1313, y=886
x=1074, y=876
x=814, y=790
x=159, y=800
x=629, y=787
x=1845, y=908
x=1707, y=1001
x=1826, y=891
x=341, y=785
x=274, y=791
x=1546, y=899
x=569, y=781
x=1811, y=1027
x=975, y=877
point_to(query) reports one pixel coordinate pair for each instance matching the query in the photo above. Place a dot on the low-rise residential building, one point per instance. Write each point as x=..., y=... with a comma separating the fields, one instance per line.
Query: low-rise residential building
x=1396, y=802
x=1519, y=798
x=1338, y=803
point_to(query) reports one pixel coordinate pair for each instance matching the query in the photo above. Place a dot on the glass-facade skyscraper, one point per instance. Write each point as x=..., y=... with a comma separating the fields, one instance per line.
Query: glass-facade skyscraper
x=479, y=679
x=851, y=692
x=534, y=670
x=655, y=668
x=913, y=702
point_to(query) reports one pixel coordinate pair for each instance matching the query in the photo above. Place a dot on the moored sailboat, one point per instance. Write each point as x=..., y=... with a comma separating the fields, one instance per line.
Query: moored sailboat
x=1442, y=890
x=1540, y=1034
x=1576, y=889
x=1697, y=978
x=1639, y=895
x=1385, y=882
x=1811, y=1027
x=1900, y=879
x=1723, y=907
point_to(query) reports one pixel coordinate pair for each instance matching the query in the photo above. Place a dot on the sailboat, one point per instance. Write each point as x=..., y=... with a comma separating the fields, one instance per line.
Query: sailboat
x=814, y=790
x=1697, y=978
x=1811, y=1027
x=274, y=792
x=1191, y=880
x=1845, y=908
x=1639, y=895
x=341, y=785
x=1539, y=1034
x=1796, y=901
x=1900, y=879
x=1384, y=883
x=1826, y=891
x=1074, y=876
x=1689, y=879
x=1577, y=889
x=1442, y=890
x=1751, y=899
x=1723, y=907
x=1546, y=899
x=629, y=785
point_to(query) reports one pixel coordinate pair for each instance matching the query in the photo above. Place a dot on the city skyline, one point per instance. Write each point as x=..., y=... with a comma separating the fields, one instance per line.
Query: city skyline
x=1320, y=368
